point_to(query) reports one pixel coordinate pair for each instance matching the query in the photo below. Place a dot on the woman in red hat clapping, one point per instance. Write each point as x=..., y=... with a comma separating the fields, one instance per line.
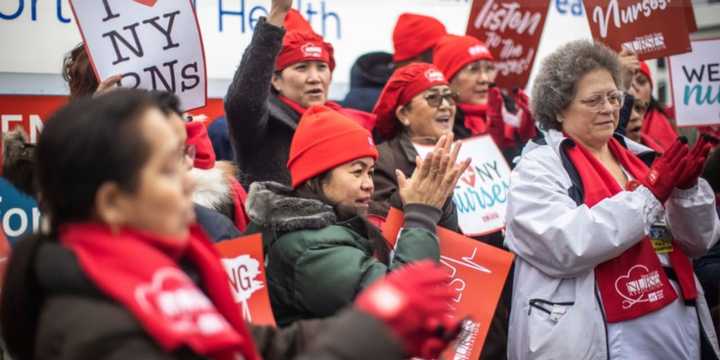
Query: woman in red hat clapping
x=415, y=107
x=321, y=249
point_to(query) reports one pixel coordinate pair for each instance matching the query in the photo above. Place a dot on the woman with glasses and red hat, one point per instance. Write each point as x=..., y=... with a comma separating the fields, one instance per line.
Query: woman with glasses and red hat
x=482, y=108
x=416, y=107
x=285, y=69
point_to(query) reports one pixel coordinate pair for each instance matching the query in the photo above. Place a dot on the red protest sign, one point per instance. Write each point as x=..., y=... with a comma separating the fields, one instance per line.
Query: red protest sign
x=511, y=30
x=640, y=26
x=244, y=263
x=478, y=273
x=690, y=16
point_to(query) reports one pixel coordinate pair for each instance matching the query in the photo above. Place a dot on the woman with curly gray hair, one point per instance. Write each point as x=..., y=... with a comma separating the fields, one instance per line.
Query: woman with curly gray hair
x=599, y=274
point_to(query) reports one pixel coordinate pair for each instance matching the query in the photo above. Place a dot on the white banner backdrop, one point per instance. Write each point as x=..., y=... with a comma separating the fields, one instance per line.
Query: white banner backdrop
x=35, y=34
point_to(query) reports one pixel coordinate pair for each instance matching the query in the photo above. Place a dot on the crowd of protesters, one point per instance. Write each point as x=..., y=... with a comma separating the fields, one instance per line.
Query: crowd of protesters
x=612, y=217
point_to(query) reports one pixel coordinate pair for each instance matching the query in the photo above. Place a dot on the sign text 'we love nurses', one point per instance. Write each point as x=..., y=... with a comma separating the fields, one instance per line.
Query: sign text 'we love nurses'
x=481, y=193
x=695, y=79
x=153, y=44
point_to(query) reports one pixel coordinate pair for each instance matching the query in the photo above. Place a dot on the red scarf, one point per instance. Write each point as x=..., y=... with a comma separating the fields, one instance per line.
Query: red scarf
x=634, y=283
x=365, y=119
x=475, y=115
x=476, y=120
x=657, y=126
x=140, y=271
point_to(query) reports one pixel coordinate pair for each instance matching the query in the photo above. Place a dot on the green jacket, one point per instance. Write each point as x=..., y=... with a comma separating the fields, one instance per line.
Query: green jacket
x=317, y=265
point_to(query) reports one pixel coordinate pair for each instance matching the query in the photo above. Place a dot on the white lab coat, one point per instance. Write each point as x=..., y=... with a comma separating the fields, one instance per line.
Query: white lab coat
x=558, y=244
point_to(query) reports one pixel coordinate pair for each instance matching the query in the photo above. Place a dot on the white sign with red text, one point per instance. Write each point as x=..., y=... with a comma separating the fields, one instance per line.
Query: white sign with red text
x=481, y=193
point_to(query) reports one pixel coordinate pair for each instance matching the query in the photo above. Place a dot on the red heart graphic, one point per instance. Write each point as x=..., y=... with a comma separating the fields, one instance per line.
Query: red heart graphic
x=469, y=177
x=149, y=3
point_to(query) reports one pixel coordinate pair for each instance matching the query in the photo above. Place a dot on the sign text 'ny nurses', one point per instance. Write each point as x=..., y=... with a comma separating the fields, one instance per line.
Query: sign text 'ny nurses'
x=153, y=44
x=480, y=195
x=641, y=25
x=695, y=79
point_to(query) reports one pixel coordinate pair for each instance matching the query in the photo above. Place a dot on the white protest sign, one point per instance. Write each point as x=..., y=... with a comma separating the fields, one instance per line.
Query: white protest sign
x=153, y=44
x=481, y=193
x=695, y=79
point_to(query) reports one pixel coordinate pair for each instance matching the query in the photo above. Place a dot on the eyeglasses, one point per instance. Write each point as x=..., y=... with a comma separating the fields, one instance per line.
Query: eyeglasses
x=436, y=99
x=596, y=102
x=189, y=151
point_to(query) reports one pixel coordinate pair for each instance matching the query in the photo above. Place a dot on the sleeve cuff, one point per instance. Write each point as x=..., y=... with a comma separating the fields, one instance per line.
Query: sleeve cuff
x=686, y=194
x=267, y=30
x=421, y=216
x=653, y=210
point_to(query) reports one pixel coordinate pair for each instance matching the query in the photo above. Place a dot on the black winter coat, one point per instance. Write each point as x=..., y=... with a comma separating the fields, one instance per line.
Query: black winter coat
x=78, y=322
x=261, y=126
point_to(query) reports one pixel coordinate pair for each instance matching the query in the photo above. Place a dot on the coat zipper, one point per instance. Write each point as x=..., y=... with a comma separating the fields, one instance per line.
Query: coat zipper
x=602, y=311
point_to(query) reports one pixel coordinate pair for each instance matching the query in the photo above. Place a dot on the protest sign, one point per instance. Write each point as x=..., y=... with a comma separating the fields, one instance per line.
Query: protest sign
x=478, y=273
x=244, y=263
x=19, y=213
x=481, y=193
x=512, y=31
x=640, y=26
x=695, y=84
x=153, y=44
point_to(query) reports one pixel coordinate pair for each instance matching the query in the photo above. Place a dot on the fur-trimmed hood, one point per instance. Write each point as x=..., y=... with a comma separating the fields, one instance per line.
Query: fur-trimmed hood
x=212, y=187
x=273, y=205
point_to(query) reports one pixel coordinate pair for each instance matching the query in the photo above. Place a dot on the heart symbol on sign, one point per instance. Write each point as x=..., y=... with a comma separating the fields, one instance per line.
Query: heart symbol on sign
x=149, y=3
x=469, y=177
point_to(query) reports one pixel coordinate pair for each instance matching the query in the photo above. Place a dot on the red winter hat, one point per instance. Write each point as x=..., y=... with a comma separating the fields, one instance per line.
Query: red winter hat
x=204, y=154
x=414, y=34
x=453, y=52
x=323, y=140
x=296, y=22
x=645, y=70
x=403, y=85
x=300, y=46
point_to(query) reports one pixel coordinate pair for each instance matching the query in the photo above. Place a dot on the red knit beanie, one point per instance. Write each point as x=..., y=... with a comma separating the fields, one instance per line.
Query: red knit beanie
x=403, y=85
x=453, y=52
x=300, y=46
x=414, y=34
x=645, y=70
x=296, y=22
x=204, y=154
x=324, y=140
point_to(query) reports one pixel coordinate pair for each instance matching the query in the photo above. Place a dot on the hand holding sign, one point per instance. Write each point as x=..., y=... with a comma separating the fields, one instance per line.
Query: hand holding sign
x=434, y=178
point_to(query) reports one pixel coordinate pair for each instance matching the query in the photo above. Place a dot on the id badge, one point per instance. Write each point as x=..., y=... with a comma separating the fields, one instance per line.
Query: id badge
x=661, y=238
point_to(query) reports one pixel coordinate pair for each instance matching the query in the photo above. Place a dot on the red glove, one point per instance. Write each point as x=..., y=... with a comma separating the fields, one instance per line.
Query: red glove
x=695, y=162
x=666, y=171
x=527, y=128
x=495, y=121
x=415, y=303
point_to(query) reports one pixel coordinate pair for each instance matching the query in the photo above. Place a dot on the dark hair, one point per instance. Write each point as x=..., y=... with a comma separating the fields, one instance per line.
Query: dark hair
x=168, y=102
x=88, y=143
x=85, y=144
x=312, y=189
x=78, y=72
